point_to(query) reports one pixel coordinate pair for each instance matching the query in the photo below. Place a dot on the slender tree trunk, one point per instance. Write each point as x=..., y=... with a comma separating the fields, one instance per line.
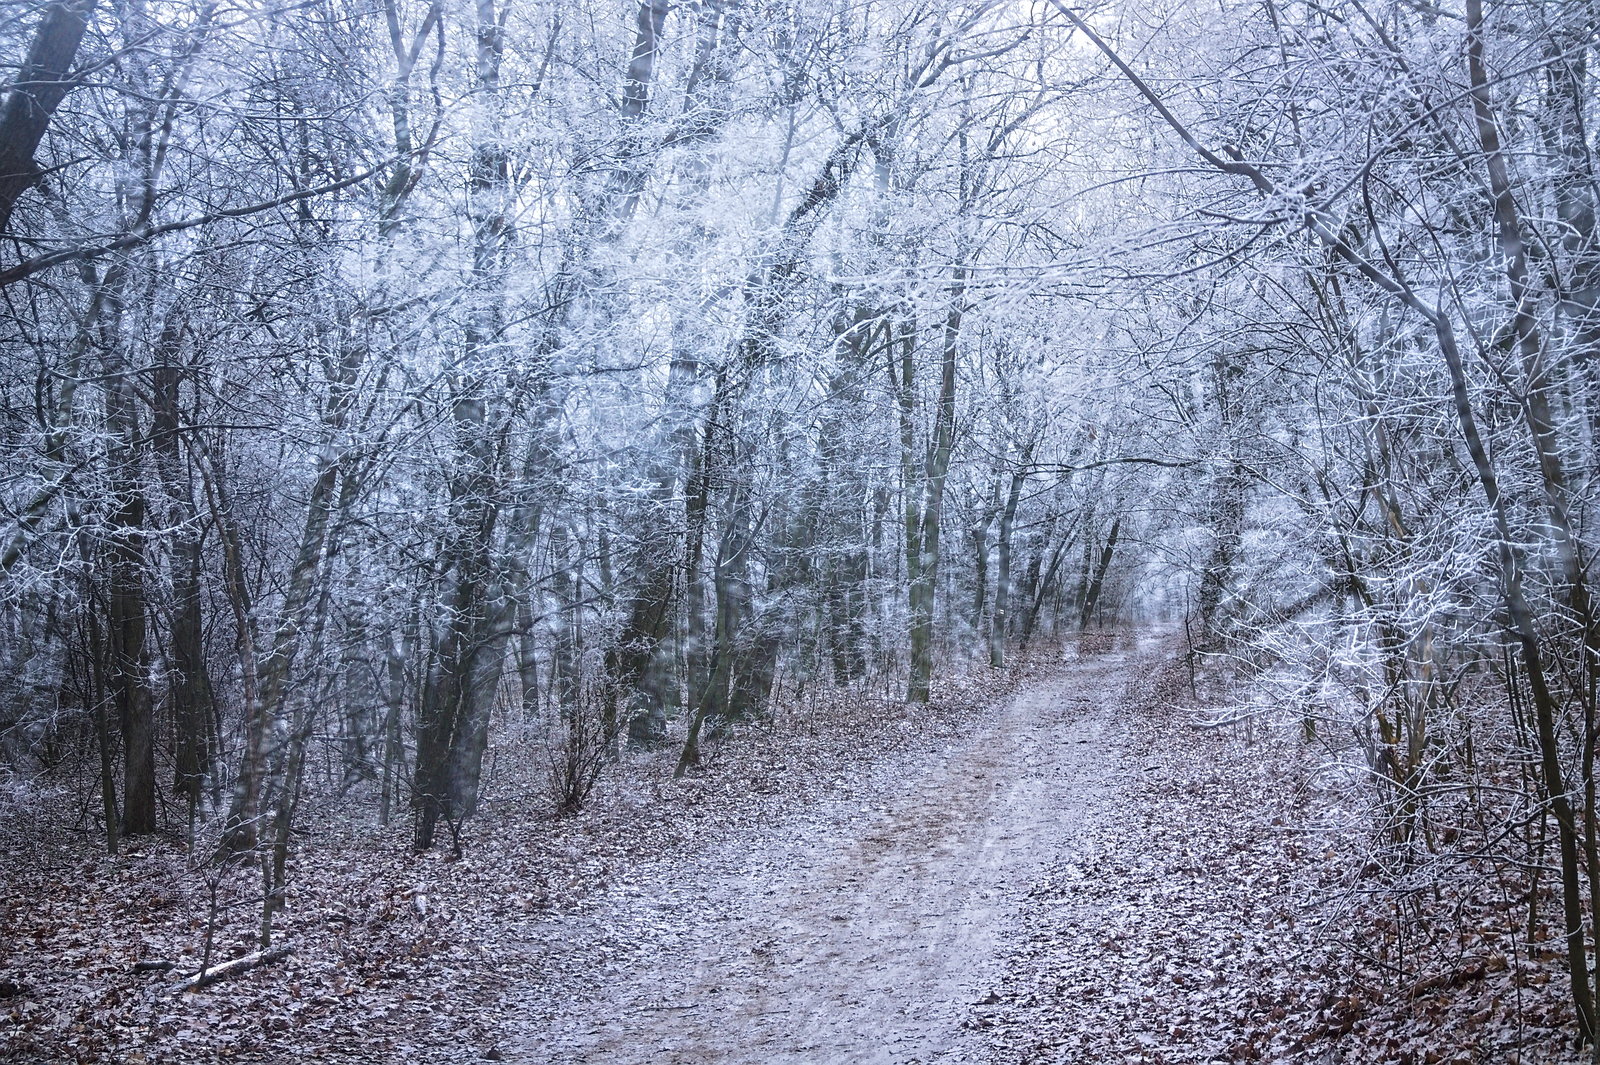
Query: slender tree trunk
x=394, y=701
x=454, y=706
x=95, y=689
x=1040, y=584
x=1091, y=595
x=195, y=740
x=127, y=623
x=1227, y=537
x=298, y=614
x=930, y=514
x=1002, y=578
x=669, y=562
x=1535, y=409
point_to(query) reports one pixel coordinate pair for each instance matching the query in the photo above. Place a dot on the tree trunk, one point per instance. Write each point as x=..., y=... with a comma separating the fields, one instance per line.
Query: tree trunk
x=126, y=623
x=1227, y=536
x=398, y=653
x=99, y=699
x=300, y=613
x=1536, y=413
x=1091, y=595
x=929, y=515
x=194, y=737
x=1002, y=577
x=40, y=86
x=454, y=707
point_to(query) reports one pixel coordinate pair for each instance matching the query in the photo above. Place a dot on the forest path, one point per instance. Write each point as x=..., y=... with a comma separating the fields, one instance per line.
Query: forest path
x=865, y=930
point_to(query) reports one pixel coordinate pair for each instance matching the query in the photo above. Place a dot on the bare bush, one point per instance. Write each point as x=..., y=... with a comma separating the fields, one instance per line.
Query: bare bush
x=577, y=753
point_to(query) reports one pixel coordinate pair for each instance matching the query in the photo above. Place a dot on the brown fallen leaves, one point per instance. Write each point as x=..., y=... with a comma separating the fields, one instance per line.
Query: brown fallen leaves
x=395, y=957
x=1232, y=914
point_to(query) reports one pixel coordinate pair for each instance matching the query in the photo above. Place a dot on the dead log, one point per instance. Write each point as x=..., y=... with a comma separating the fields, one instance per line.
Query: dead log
x=207, y=977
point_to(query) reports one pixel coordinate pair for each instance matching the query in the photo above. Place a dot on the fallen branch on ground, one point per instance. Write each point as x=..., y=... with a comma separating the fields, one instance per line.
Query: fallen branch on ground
x=207, y=977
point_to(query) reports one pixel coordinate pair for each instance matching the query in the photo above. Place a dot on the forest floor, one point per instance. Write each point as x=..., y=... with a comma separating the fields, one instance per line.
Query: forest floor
x=861, y=930
x=1050, y=865
x=1082, y=876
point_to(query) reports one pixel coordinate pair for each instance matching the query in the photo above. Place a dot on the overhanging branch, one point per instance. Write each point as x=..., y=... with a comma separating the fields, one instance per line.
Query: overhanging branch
x=146, y=234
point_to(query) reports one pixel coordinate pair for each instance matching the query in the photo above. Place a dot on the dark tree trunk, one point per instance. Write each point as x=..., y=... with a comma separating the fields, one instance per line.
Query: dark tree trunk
x=193, y=715
x=1091, y=595
x=1227, y=536
x=40, y=86
x=127, y=625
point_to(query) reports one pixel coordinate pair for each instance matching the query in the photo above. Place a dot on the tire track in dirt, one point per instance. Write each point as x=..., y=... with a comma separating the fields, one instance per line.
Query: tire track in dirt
x=865, y=930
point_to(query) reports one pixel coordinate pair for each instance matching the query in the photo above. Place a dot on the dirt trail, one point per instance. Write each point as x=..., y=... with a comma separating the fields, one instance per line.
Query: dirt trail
x=866, y=930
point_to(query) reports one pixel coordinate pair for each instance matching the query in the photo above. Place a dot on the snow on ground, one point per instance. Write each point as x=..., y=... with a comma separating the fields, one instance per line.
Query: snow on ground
x=1225, y=915
x=396, y=958
x=864, y=929
x=1071, y=873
